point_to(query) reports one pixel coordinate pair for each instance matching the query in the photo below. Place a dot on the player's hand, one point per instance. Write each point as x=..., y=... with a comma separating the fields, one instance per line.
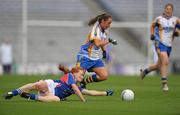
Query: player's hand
x=114, y=42
x=152, y=37
x=104, y=54
x=175, y=34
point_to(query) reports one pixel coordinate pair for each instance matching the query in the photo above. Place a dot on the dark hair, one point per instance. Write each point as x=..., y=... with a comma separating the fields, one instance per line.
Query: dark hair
x=66, y=70
x=169, y=4
x=99, y=18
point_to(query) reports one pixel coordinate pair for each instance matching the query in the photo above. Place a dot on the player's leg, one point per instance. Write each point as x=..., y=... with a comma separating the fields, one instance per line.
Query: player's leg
x=97, y=93
x=45, y=98
x=48, y=98
x=100, y=75
x=39, y=86
x=18, y=91
x=100, y=72
x=152, y=67
x=163, y=70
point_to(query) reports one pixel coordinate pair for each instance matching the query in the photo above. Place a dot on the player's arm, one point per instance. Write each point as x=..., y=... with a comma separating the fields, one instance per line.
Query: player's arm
x=177, y=29
x=78, y=92
x=95, y=38
x=154, y=24
x=152, y=28
x=100, y=43
x=152, y=31
x=103, y=52
x=93, y=92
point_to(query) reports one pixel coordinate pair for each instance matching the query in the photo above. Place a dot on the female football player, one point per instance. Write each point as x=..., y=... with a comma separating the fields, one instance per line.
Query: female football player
x=163, y=31
x=56, y=90
x=89, y=58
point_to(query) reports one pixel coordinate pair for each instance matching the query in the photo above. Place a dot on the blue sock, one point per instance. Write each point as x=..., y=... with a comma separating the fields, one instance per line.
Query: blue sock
x=16, y=92
x=33, y=96
x=94, y=77
x=146, y=71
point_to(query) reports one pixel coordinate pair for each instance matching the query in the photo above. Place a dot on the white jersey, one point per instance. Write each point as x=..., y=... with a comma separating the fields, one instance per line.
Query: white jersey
x=166, y=29
x=89, y=49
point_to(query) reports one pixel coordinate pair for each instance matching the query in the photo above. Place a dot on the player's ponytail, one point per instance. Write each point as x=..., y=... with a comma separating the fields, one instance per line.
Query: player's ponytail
x=99, y=18
x=64, y=69
x=75, y=69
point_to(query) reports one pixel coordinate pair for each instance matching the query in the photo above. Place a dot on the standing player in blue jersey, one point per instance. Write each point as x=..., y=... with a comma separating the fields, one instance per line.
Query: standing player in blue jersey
x=89, y=56
x=163, y=30
x=57, y=90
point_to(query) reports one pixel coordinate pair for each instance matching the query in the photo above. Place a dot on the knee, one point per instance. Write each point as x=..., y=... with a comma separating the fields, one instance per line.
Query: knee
x=166, y=63
x=38, y=85
x=31, y=86
x=104, y=76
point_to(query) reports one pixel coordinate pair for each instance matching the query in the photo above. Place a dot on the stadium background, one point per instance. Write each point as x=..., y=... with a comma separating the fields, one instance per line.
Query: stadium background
x=45, y=33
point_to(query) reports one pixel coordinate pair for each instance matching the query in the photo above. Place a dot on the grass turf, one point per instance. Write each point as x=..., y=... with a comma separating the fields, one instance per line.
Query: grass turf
x=149, y=99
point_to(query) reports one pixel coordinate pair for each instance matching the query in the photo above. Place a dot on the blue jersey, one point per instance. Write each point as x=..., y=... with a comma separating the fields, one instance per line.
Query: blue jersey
x=63, y=86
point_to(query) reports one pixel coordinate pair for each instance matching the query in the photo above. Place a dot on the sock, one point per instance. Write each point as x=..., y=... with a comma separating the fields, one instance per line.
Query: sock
x=33, y=96
x=164, y=80
x=16, y=92
x=90, y=79
x=146, y=71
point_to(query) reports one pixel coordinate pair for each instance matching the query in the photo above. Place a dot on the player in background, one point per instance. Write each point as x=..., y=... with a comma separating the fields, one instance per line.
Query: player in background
x=163, y=30
x=57, y=90
x=89, y=56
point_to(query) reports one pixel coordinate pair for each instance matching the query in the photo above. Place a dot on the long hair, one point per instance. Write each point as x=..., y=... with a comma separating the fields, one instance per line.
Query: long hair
x=66, y=70
x=99, y=18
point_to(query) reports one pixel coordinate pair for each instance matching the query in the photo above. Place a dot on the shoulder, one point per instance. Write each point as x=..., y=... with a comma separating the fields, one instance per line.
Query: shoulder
x=71, y=79
x=70, y=75
x=159, y=17
x=175, y=18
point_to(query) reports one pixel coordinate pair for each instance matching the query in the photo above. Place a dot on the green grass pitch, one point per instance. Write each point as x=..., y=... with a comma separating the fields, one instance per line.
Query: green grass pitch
x=149, y=99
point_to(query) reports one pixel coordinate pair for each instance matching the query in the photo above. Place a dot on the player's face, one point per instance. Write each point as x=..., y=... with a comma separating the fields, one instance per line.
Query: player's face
x=168, y=10
x=79, y=75
x=105, y=24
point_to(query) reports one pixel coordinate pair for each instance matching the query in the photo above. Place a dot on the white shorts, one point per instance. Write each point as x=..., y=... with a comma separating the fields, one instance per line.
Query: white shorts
x=51, y=85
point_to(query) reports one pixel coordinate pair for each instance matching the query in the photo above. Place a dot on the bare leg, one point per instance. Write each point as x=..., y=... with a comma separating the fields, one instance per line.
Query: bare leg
x=163, y=69
x=48, y=98
x=38, y=86
x=101, y=74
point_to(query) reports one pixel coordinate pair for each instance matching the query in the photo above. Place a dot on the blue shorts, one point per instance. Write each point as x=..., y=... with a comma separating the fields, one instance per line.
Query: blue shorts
x=88, y=64
x=164, y=48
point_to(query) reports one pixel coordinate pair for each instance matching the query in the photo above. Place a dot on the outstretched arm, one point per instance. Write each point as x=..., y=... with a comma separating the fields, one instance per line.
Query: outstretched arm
x=94, y=92
x=78, y=92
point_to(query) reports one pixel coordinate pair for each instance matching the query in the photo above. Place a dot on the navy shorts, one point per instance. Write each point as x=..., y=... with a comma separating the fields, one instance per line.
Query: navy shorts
x=164, y=48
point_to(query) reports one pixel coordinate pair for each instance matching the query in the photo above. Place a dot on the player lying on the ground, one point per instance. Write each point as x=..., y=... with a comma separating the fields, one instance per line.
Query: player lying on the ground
x=57, y=90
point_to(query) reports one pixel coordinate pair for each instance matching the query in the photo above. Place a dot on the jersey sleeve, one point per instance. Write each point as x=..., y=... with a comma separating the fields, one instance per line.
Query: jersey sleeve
x=71, y=79
x=156, y=19
x=95, y=33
